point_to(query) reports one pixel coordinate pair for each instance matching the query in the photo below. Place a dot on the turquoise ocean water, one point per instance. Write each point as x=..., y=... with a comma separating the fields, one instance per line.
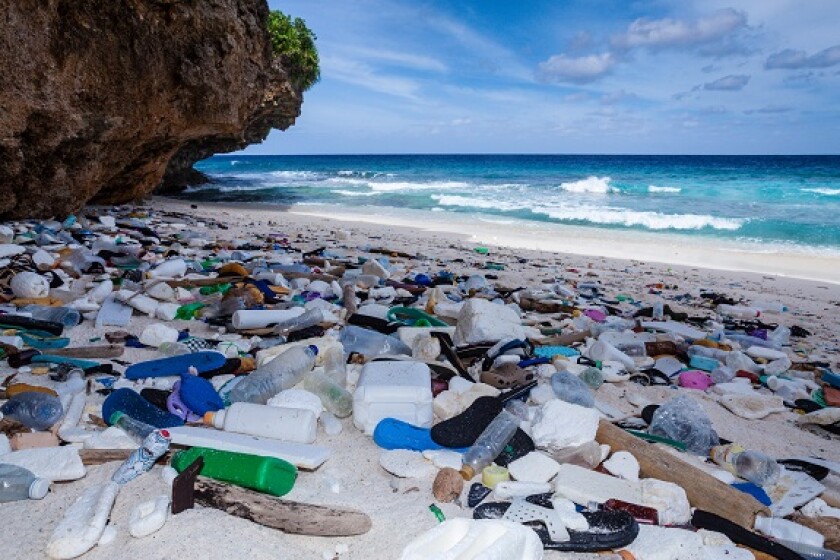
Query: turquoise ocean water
x=787, y=201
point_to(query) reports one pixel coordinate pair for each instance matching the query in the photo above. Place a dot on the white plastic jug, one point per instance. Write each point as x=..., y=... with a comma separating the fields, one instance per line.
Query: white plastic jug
x=287, y=424
x=393, y=389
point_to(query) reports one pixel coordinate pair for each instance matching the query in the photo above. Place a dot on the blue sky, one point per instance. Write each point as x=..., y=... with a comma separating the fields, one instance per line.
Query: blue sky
x=588, y=76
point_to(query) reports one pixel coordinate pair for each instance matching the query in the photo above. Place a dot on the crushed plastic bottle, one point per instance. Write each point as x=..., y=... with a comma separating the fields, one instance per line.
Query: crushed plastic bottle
x=36, y=410
x=753, y=466
x=570, y=388
x=683, y=419
x=283, y=372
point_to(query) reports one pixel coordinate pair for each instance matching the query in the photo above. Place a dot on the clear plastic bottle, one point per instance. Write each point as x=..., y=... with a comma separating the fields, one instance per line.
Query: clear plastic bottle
x=570, y=388
x=67, y=316
x=17, y=483
x=174, y=348
x=371, y=343
x=809, y=552
x=705, y=351
x=137, y=430
x=658, y=310
x=592, y=376
x=489, y=444
x=309, y=318
x=770, y=306
x=283, y=372
x=39, y=411
x=753, y=466
x=333, y=395
x=335, y=366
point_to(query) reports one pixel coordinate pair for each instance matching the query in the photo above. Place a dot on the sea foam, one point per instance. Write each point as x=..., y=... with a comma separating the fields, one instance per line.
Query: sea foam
x=592, y=184
x=655, y=189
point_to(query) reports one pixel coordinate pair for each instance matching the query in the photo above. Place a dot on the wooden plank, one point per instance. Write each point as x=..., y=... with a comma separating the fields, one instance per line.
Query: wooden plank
x=290, y=517
x=102, y=351
x=100, y=456
x=703, y=490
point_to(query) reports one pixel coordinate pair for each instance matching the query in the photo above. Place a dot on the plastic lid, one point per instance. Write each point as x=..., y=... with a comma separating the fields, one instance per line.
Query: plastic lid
x=115, y=417
x=39, y=488
x=314, y=349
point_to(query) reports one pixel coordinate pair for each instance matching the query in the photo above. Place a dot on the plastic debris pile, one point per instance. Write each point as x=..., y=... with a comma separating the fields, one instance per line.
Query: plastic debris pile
x=257, y=351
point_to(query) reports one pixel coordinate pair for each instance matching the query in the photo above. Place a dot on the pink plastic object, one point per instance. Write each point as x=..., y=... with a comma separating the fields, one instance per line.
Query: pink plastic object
x=695, y=379
x=595, y=315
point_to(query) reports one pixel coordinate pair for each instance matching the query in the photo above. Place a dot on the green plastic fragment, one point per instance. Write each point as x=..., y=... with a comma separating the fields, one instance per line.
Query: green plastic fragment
x=189, y=311
x=482, y=250
x=437, y=513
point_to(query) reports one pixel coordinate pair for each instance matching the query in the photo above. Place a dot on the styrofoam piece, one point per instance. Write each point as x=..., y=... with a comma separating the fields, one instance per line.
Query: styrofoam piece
x=393, y=389
x=534, y=467
x=301, y=455
x=560, y=424
x=408, y=334
x=623, y=465
x=442, y=458
x=110, y=438
x=101, y=291
x=158, y=333
x=53, y=463
x=83, y=522
x=260, y=318
x=405, y=463
x=752, y=407
x=510, y=489
x=819, y=508
x=822, y=417
x=483, y=321
x=148, y=517
x=30, y=285
x=167, y=311
x=473, y=539
x=161, y=291
x=375, y=268
x=661, y=543
x=799, y=489
x=674, y=327
x=668, y=499
x=11, y=250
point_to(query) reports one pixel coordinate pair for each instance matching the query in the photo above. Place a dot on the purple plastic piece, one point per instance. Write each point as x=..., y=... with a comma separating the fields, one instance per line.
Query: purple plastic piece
x=177, y=407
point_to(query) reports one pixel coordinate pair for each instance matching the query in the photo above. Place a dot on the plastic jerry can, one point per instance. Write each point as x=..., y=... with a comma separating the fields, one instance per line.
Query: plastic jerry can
x=265, y=474
x=393, y=389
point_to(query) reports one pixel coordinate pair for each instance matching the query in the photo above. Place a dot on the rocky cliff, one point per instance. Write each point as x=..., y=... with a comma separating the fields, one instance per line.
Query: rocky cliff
x=100, y=99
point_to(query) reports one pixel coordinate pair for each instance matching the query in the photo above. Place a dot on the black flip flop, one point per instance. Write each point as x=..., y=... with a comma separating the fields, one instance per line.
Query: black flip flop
x=607, y=529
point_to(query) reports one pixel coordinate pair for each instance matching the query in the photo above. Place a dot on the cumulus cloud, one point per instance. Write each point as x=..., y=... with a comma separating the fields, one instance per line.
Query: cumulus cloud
x=792, y=59
x=675, y=33
x=580, y=70
x=733, y=82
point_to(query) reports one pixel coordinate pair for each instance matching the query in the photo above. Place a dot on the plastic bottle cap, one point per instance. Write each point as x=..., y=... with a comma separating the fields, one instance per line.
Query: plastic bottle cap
x=115, y=417
x=39, y=488
x=467, y=472
x=209, y=416
x=314, y=349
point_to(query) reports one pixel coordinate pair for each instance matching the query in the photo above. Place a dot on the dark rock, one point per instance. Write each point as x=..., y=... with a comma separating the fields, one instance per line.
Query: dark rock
x=102, y=101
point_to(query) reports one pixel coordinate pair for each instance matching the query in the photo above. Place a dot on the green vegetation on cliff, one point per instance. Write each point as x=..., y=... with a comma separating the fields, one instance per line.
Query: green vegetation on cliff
x=295, y=44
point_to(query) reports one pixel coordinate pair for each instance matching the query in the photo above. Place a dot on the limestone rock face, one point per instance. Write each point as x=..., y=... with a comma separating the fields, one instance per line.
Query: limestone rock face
x=102, y=100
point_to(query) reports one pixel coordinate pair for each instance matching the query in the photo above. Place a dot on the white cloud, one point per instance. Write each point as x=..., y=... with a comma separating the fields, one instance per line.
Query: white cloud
x=402, y=59
x=675, y=33
x=792, y=59
x=563, y=68
x=360, y=74
x=728, y=83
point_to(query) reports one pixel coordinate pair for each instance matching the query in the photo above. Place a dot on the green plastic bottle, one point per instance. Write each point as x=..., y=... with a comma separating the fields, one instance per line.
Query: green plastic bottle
x=265, y=474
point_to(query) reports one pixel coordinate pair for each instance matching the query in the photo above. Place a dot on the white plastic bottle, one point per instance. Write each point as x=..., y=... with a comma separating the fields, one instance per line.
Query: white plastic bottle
x=17, y=483
x=287, y=424
x=789, y=531
x=738, y=311
x=283, y=372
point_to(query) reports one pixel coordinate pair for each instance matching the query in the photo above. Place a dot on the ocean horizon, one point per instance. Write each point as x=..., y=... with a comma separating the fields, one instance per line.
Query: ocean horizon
x=782, y=202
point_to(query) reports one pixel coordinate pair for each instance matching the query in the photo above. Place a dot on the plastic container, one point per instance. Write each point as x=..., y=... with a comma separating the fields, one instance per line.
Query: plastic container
x=570, y=388
x=789, y=531
x=67, y=316
x=393, y=389
x=753, y=466
x=264, y=474
x=143, y=459
x=36, y=410
x=489, y=444
x=371, y=343
x=288, y=424
x=809, y=552
x=770, y=306
x=738, y=311
x=261, y=318
x=169, y=269
x=333, y=395
x=17, y=483
x=587, y=455
x=283, y=372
